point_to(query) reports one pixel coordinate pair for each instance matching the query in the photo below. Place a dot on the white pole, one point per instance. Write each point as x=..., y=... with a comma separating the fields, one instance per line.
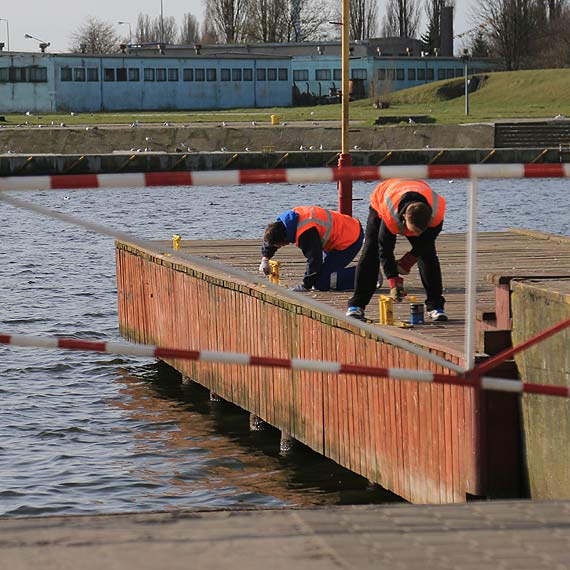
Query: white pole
x=471, y=277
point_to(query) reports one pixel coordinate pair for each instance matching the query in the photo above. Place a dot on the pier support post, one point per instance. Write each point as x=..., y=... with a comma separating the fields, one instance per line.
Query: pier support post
x=287, y=443
x=256, y=423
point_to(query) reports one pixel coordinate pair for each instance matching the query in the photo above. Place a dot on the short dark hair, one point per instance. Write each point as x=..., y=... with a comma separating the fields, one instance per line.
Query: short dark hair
x=275, y=234
x=419, y=214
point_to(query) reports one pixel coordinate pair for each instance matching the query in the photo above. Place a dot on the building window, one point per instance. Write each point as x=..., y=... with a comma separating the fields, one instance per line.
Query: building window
x=323, y=74
x=134, y=74
x=161, y=74
x=4, y=75
x=172, y=74
x=430, y=74
x=422, y=74
x=411, y=74
x=450, y=74
x=109, y=74
x=337, y=74
x=78, y=74
x=261, y=74
x=359, y=73
x=225, y=74
x=38, y=74
x=300, y=75
x=283, y=74
x=458, y=72
x=382, y=74
x=121, y=73
x=92, y=74
x=199, y=75
x=148, y=74
x=389, y=74
x=188, y=74
x=236, y=74
x=66, y=74
x=211, y=74
x=248, y=74
x=399, y=74
x=271, y=74
x=441, y=73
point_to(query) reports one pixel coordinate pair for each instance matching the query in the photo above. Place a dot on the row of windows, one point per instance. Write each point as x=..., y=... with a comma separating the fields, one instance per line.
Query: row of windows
x=172, y=74
x=419, y=74
x=30, y=74
x=328, y=74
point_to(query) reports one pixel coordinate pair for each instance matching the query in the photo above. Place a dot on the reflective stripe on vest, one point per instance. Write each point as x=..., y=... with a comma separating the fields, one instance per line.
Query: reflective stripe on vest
x=326, y=224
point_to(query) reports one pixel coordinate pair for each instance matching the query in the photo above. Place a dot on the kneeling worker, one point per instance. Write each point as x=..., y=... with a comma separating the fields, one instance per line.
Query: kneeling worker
x=410, y=208
x=329, y=240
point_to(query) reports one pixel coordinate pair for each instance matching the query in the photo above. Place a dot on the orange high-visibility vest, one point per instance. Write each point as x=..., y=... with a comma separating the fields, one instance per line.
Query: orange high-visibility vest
x=337, y=231
x=388, y=194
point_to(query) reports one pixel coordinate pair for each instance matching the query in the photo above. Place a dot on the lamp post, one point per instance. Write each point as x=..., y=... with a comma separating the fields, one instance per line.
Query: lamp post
x=43, y=45
x=465, y=57
x=130, y=32
x=7, y=32
x=161, y=24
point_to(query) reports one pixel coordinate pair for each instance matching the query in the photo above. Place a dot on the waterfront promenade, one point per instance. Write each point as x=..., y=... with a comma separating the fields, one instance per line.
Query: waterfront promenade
x=518, y=535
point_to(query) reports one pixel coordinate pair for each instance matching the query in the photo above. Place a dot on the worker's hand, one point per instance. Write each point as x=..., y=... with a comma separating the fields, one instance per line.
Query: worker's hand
x=264, y=266
x=300, y=288
x=397, y=291
x=406, y=262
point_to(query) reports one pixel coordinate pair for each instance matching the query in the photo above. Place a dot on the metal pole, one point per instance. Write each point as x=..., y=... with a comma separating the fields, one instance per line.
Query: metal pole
x=471, y=278
x=466, y=88
x=345, y=160
x=161, y=23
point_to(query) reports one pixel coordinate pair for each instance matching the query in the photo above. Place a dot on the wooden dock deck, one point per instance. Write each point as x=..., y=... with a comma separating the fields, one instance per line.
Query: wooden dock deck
x=426, y=443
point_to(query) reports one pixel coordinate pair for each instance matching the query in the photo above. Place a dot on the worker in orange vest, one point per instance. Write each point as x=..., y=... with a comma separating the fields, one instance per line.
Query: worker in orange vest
x=329, y=240
x=412, y=209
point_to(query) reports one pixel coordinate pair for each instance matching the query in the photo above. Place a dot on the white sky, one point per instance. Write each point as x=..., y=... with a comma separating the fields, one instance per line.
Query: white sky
x=55, y=20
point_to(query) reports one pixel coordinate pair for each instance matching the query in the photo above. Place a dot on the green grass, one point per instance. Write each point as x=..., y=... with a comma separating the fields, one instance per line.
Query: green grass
x=519, y=94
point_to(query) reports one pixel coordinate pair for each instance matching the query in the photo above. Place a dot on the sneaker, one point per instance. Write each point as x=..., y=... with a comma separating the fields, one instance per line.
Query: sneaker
x=437, y=315
x=356, y=312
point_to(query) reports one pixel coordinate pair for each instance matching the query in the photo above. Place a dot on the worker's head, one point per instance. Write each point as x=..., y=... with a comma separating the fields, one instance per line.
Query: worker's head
x=275, y=234
x=417, y=217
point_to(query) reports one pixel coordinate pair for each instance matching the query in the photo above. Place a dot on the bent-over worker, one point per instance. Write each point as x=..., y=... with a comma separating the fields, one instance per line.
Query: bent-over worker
x=329, y=240
x=401, y=207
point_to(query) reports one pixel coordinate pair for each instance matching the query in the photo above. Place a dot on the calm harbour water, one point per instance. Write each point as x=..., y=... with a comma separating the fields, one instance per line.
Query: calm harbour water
x=92, y=433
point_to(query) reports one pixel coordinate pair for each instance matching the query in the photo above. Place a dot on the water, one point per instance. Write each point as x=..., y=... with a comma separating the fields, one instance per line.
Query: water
x=92, y=433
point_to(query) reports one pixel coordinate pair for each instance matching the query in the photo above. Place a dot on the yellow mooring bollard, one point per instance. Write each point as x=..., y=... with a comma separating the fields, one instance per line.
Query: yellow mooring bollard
x=274, y=275
x=275, y=119
x=176, y=239
x=386, y=310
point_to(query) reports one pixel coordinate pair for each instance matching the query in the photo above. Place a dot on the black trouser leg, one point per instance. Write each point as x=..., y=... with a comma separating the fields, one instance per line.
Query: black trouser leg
x=368, y=264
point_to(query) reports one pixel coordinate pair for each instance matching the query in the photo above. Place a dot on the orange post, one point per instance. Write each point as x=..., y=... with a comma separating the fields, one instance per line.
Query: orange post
x=345, y=186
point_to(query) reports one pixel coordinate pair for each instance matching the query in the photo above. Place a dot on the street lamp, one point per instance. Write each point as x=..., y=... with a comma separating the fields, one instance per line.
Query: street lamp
x=43, y=45
x=130, y=33
x=7, y=32
x=465, y=57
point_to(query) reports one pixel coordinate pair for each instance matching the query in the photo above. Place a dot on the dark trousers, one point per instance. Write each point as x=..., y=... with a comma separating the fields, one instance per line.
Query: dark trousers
x=368, y=268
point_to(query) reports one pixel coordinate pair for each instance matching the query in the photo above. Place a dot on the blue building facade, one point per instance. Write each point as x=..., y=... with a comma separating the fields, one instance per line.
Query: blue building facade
x=183, y=81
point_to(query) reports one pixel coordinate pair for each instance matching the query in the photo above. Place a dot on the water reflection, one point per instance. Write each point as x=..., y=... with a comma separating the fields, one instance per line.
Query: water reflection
x=204, y=450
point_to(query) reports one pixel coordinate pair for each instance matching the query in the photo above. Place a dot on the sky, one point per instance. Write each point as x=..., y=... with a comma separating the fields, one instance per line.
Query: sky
x=54, y=21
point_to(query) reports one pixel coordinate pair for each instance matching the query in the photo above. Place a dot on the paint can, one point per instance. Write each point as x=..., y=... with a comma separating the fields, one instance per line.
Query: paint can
x=416, y=313
x=274, y=275
x=386, y=310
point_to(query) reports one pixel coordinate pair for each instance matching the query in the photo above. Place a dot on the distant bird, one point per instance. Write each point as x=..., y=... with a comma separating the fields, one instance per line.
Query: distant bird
x=253, y=123
x=147, y=139
x=356, y=147
x=302, y=147
x=40, y=126
x=224, y=149
x=166, y=124
x=62, y=125
x=315, y=123
x=224, y=124
x=28, y=114
x=246, y=148
x=311, y=147
x=284, y=123
x=72, y=114
x=66, y=197
x=321, y=147
x=312, y=112
x=427, y=146
x=411, y=121
x=53, y=123
x=87, y=128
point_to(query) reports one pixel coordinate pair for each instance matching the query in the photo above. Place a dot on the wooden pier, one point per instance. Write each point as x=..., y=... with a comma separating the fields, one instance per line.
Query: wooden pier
x=426, y=443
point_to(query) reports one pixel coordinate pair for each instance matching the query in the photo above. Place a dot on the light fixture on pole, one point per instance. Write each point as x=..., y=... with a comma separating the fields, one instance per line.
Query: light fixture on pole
x=130, y=32
x=7, y=32
x=465, y=57
x=43, y=45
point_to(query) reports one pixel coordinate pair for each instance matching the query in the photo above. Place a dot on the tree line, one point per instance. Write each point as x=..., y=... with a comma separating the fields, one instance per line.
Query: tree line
x=520, y=33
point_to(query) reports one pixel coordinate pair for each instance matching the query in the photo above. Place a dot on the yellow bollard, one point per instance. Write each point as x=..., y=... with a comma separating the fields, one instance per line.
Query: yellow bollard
x=274, y=275
x=275, y=119
x=176, y=239
x=386, y=310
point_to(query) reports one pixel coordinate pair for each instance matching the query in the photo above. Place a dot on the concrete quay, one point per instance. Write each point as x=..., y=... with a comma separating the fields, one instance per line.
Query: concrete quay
x=518, y=535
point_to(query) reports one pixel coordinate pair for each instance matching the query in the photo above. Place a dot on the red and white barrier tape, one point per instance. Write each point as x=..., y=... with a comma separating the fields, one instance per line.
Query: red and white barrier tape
x=151, y=351
x=277, y=175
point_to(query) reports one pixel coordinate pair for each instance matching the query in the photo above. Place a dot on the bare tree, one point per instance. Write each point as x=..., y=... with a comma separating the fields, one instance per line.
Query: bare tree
x=156, y=30
x=268, y=21
x=95, y=36
x=309, y=20
x=401, y=19
x=363, y=19
x=189, y=30
x=511, y=25
x=144, y=31
x=433, y=8
x=227, y=18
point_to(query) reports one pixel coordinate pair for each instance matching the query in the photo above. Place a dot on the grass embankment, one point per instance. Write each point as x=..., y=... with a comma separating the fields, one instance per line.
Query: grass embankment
x=519, y=94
